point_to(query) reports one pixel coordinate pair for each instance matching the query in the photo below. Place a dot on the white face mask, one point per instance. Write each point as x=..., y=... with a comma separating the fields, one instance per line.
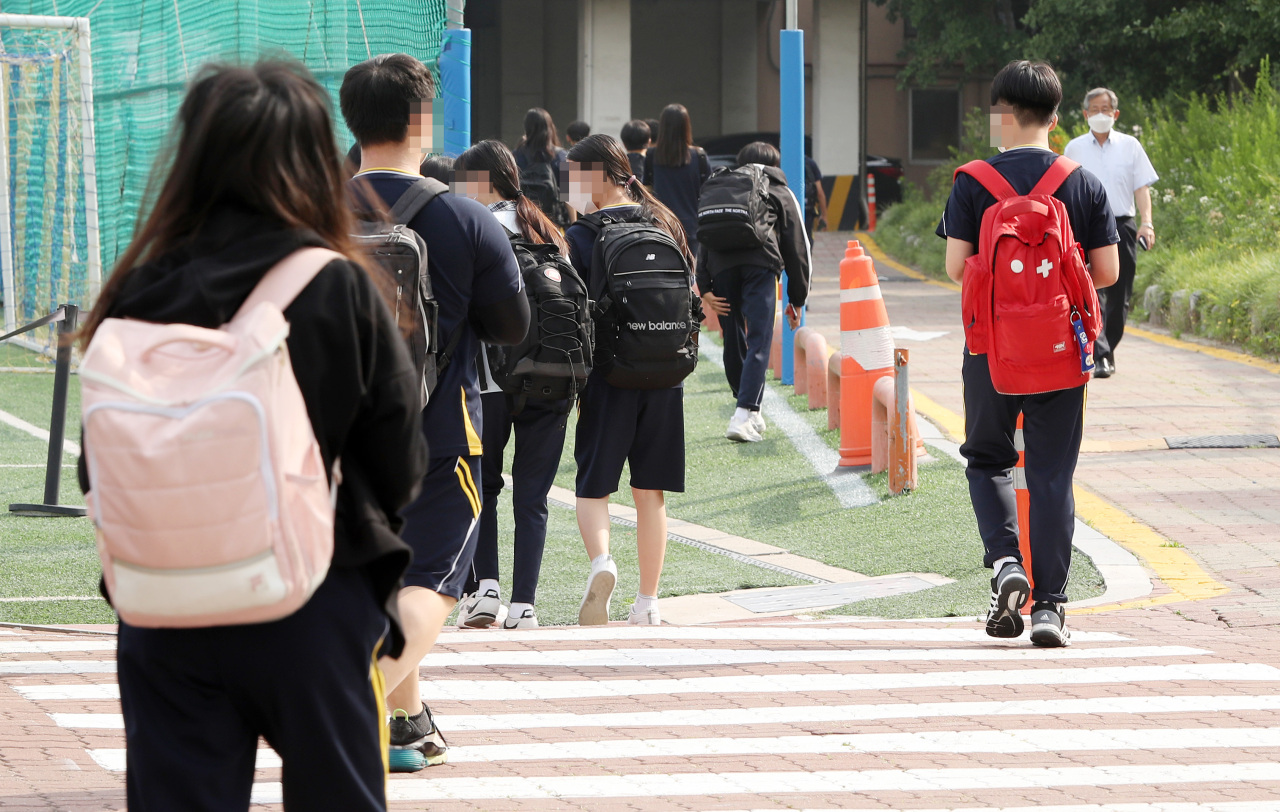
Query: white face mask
x=1101, y=123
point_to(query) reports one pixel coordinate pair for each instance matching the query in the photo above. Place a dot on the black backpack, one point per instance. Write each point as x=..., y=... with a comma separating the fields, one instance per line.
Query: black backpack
x=554, y=359
x=402, y=252
x=646, y=313
x=734, y=211
x=539, y=183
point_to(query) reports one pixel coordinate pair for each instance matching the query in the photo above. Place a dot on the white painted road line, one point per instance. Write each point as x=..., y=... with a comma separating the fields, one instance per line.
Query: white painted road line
x=968, y=741
x=791, y=632
x=54, y=667
x=653, y=785
x=51, y=646
x=675, y=657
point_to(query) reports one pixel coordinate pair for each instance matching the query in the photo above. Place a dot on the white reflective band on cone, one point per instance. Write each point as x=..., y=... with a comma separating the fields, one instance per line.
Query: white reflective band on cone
x=1019, y=478
x=1019, y=444
x=872, y=348
x=861, y=294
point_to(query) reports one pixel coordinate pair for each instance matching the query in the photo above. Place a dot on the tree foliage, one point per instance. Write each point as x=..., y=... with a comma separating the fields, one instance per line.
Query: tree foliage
x=1145, y=48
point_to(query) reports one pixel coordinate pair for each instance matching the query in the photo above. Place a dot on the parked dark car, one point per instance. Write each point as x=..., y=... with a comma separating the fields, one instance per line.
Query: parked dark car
x=722, y=150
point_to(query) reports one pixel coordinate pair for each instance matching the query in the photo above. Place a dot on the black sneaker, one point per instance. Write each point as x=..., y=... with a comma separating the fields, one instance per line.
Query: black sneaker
x=419, y=733
x=1049, y=625
x=1009, y=592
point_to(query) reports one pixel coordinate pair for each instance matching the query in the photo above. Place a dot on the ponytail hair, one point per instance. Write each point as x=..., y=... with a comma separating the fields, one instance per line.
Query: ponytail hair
x=603, y=152
x=494, y=157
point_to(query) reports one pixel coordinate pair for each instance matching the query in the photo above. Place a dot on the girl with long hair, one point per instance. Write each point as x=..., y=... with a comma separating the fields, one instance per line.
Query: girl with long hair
x=253, y=176
x=676, y=169
x=538, y=157
x=644, y=427
x=487, y=172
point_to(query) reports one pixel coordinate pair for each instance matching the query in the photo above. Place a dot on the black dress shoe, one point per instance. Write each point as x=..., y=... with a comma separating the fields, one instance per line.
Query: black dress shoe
x=1106, y=368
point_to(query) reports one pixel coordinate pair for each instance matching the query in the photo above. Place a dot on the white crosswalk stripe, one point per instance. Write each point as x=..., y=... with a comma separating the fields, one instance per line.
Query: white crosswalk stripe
x=1120, y=678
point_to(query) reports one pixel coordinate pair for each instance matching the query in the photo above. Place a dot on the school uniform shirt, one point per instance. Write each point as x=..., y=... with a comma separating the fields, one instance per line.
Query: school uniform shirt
x=1092, y=223
x=637, y=164
x=678, y=186
x=786, y=250
x=1119, y=162
x=472, y=267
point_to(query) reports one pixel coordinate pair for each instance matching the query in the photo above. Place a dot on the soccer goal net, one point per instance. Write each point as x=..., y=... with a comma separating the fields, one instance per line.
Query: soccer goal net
x=49, y=241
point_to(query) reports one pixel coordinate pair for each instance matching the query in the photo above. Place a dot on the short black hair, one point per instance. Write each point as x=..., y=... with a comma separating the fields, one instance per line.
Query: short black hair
x=1032, y=89
x=378, y=95
x=439, y=167
x=653, y=129
x=578, y=130
x=635, y=135
x=758, y=152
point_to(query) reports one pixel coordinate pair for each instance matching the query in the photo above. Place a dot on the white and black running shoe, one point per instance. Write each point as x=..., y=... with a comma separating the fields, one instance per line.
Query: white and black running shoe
x=1009, y=592
x=1049, y=625
x=479, y=611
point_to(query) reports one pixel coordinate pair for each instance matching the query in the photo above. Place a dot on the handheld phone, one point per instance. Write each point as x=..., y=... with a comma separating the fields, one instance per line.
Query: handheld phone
x=1143, y=242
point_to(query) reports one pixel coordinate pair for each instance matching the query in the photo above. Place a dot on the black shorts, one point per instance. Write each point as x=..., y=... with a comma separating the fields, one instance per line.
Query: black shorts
x=441, y=525
x=644, y=427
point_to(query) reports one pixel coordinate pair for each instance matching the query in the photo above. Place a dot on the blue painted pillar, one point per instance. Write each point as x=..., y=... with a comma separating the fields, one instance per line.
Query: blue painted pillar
x=792, y=141
x=455, y=85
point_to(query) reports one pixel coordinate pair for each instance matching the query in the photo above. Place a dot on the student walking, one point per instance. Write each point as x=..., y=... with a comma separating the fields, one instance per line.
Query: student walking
x=752, y=229
x=538, y=157
x=477, y=286
x=576, y=131
x=255, y=177
x=675, y=169
x=487, y=172
x=1040, y=347
x=635, y=137
x=642, y=427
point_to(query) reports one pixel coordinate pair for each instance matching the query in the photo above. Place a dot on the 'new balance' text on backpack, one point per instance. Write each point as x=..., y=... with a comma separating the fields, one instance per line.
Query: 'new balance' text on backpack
x=554, y=359
x=208, y=490
x=646, y=314
x=1028, y=301
x=734, y=211
x=401, y=252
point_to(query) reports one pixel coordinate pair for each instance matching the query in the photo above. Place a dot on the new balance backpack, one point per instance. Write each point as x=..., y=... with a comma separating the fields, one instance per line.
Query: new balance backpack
x=553, y=360
x=1027, y=300
x=209, y=496
x=539, y=183
x=646, y=313
x=402, y=253
x=734, y=210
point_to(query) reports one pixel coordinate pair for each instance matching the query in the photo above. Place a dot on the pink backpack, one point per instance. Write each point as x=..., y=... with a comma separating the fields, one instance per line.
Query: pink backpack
x=209, y=493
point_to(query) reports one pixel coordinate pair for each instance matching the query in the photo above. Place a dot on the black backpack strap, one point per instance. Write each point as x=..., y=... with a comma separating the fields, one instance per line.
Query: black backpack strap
x=446, y=354
x=415, y=199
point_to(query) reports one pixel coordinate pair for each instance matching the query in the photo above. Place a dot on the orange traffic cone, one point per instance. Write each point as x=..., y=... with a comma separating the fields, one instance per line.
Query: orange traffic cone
x=866, y=347
x=1024, y=506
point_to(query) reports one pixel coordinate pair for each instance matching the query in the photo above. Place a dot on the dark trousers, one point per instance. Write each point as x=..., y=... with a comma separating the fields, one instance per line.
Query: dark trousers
x=1117, y=299
x=1052, y=427
x=195, y=702
x=539, y=430
x=748, y=332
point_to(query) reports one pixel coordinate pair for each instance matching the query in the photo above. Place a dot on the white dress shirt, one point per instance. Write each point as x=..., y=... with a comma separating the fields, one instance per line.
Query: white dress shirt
x=1120, y=163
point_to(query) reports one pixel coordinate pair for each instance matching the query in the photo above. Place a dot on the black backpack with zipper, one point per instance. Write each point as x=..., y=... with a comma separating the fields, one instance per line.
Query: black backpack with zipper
x=553, y=360
x=646, y=313
x=539, y=183
x=734, y=210
x=386, y=238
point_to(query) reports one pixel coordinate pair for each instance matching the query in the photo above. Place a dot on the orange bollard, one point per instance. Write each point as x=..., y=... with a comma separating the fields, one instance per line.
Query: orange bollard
x=1024, y=505
x=800, y=363
x=866, y=348
x=894, y=430
x=833, y=392
x=815, y=352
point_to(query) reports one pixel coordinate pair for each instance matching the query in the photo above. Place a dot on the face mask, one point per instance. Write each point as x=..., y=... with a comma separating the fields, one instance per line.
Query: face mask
x=1101, y=123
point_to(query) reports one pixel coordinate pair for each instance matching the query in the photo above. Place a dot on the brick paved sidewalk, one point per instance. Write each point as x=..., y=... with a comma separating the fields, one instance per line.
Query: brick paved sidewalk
x=1223, y=506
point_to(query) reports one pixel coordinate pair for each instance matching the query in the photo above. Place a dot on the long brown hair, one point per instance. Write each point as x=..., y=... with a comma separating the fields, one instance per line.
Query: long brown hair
x=260, y=138
x=675, y=136
x=494, y=158
x=603, y=152
x=540, y=134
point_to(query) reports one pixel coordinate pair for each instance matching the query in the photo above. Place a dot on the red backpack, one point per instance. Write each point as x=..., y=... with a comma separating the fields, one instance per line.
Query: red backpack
x=1027, y=300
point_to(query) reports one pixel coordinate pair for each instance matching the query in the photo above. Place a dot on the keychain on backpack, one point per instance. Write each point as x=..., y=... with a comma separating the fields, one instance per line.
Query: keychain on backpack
x=1082, y=340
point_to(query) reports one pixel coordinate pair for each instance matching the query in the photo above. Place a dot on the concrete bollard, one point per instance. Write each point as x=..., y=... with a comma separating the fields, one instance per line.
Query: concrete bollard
x=800, y=360
x=815, y=350
x=894, y=431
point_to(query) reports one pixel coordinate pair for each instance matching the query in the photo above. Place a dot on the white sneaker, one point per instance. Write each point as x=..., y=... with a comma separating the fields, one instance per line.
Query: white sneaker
x=594, y=610
x=646, y=617
x=757, y=422
x=527, y=620
x=479, y=611
x=741, y=430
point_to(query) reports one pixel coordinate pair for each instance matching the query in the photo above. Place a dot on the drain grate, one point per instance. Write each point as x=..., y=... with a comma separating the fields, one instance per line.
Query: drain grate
x=1225, y=441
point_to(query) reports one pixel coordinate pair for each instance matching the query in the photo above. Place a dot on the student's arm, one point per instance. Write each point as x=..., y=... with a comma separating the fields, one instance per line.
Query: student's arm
x=822, y=202
x=1104, y=265
x=503, y=323
x=499, y=310
x=957, y=252
x=793, y=244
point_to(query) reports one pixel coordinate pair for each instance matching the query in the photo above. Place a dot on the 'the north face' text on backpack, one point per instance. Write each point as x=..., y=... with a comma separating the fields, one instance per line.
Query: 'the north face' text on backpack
x=401, y=252
x=734, y=210
x=646, y=313
x=208, y=491
x=1028, y=301
x=554, y=359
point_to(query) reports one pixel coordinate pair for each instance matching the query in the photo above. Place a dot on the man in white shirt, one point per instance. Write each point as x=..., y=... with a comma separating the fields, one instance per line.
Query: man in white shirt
x=1122, y=165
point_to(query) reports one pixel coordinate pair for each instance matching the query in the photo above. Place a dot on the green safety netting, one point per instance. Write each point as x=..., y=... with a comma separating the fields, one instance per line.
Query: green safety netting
x=142, y=52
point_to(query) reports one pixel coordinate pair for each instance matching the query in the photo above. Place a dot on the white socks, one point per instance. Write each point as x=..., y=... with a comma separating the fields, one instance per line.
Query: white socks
x=999, y=563
x=487, y=584
x=741, y=415
x=598, y=561
x=644, y=603
x=516, y=610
